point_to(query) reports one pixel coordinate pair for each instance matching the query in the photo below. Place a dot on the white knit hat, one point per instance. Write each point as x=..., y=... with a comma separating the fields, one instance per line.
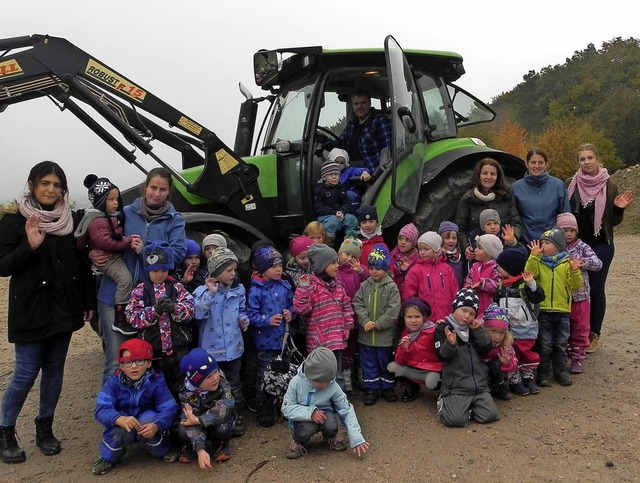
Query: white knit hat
x=432, y=240
x=491, y=244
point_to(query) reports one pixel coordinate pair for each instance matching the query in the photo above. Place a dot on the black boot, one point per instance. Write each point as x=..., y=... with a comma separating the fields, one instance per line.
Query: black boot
x=265, y=416
x=500, y=391
x=10, y=452
x=45, y=440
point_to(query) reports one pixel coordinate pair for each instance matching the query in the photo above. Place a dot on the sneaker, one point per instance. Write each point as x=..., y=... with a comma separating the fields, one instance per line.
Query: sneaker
x=530, y=383
x=336, y=445
x=389, y=395
x=171, y=457
x=576, y=367
x=520, y=389
x=187, y=455
x=410, y=392
x=544, y=380
x=295, y=451
x=369, y=398
x=120, y=323
x=594, y=343
x=223, y=453
x=102, y=467
x=501, y=392
x=563, y=378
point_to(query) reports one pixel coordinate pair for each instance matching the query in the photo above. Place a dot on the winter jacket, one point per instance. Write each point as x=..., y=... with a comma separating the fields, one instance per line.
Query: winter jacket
x=421, y=353
x=468, y=214
x=584, y=215
x=218, y=320
x=557, y=282
x=496, y=351
x=379, y=302
x=367, y=246
x=266, y=299
x=519, y=299
x=434, y=282
x=299, y=275
x=100, y=236
x=171, y=330
x=301, y=399
x=328, y=200
x=397, y=259
x=351, y=280
x=168, y=227
x=50, y=287
x=329, y=314
x=462, y=371
x=212, y=408
x=592, y=263
x=539, y=200
x=116, y=399
x=348, y=173
x=487, y=275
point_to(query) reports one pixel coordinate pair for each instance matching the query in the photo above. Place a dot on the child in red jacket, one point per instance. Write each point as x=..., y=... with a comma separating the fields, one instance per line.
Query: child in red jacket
x=370, y=231
x=416, y=358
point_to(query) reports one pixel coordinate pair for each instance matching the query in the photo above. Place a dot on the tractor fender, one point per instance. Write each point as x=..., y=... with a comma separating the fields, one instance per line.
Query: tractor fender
x=193, y=217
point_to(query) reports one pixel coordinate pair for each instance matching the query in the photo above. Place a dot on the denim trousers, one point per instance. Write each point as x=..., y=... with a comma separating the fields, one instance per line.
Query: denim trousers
x=111, y=338
x=47, y=356
x=304, y=430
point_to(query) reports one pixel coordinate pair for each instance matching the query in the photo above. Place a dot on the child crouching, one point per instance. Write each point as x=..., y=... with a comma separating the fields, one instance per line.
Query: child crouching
x=134, y=405
x=314, y=402
x=208, y=415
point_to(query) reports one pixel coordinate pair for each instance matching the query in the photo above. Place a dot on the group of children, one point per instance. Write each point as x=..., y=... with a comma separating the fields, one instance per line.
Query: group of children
x=420, y=314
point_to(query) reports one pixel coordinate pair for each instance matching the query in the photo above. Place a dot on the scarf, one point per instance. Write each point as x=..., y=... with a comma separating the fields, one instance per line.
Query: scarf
x=488, y=197
x=553, y=261
x=508, y=282
x=151, y=213
x=414, y=335
x=398, y=258
x=89, y=215
x=453, y=256
x=54, y=222
x=461, y=330
x=377, y=232
x=128, y=382
x=536, y=180
x=591, y=188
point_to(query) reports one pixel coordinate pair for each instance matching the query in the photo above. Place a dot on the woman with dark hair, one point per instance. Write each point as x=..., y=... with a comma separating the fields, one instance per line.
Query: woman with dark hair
x=595, y=202
x=488, y=190
x=152, y=217
x=51, y=295
x=540, y=197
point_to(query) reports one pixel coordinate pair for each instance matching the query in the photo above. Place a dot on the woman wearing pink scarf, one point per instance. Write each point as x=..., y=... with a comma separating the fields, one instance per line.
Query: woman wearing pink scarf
x=595, y=202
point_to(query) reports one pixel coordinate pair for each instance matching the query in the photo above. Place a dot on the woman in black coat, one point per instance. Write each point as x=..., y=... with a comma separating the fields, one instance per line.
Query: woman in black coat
x=51, y=295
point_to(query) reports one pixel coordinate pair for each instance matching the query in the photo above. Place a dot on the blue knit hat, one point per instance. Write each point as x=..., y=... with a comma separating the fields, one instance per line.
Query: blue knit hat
x=379, y=257
x=197, y=365
x=192, y=248
x=266, y=257
x=158, y=255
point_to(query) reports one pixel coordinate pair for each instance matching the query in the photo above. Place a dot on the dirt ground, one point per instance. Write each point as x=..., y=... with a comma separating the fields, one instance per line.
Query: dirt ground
x=587, y=432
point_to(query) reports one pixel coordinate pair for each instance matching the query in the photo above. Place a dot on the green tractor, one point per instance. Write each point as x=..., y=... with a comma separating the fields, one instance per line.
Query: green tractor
x=263, y=188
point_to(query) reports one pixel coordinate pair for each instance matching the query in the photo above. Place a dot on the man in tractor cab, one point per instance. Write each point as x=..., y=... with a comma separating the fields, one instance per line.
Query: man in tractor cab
x=366, y=135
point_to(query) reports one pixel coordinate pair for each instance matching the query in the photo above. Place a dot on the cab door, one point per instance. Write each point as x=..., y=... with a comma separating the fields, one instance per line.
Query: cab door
x=409, y=139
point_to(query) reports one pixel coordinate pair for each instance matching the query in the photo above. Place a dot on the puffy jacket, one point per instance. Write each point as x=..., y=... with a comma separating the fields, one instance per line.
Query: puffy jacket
x=397, y=259
x=367, y=246
x=421, y=353
x=434, y=282
x=50, y=287
x=266, y=299
x=115, y=400
x=218, y=315
x=380, y=302
x=301, y=399
x=351, y=280
x=487, y=275
x=557, y=282
x=592, y=263
x=519, y=300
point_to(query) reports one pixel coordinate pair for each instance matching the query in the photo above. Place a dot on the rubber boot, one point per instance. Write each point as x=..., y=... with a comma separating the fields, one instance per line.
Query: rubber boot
x=10, y=452
x=45, y=440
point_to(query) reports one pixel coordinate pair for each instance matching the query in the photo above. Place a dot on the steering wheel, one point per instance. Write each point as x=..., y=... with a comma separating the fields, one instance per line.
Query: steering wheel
x=324, y=135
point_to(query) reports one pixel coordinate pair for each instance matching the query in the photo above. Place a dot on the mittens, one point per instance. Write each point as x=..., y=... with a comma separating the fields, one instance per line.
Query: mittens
x=164, y=306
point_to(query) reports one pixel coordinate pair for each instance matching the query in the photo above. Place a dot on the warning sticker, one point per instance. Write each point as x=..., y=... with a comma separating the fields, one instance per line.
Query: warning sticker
x=189, y=125
x=225, y=161
x=10, y=68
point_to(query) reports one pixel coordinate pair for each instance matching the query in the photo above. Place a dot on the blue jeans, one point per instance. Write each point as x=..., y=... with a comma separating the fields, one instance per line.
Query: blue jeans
x=111, y=338
x=553, y=334
x=303, y=431
x=48, y=356
x=597, y=282
x=333, y=225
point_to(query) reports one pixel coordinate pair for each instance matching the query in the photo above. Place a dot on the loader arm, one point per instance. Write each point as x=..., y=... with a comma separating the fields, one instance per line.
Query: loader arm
x=40, y=65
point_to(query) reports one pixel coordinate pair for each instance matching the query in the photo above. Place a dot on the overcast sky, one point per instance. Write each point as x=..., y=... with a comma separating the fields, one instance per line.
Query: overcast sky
x=192, y=54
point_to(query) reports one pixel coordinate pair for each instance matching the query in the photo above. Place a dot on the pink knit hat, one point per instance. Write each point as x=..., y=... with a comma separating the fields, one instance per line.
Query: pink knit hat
x=299, y=244
x=496, y=317
x=411, y=232
x=567, y=220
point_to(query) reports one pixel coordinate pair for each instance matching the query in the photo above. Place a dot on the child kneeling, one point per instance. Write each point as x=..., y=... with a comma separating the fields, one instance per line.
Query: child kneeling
x=134, y=405
x=314, y=402
x=208, y=415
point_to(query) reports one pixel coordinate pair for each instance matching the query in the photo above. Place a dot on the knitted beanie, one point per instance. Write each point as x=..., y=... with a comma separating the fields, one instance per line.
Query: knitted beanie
x=465, y=298
x=567, y=220
x=158, y=255
x=366, y=212
x=321, y=255
x=299, y=244
x=329, y=167
x=266, y=257
x=320, y=365
x=410, y=232
x=214, y=239
x=99, y=189
x=192, y=248
x=496, y=316
x=379, y=257
x=351, y=245
x=197, y=365
x=557, y=237
x=488, y=214
x=513, y=260
x=432, y=240
x=448, y=226
x=418, y=303
x=491, y=244
x=336, y=153
x=219, y=261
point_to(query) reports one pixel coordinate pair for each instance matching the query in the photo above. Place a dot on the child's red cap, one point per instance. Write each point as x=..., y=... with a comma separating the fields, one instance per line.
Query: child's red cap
x=138, y=349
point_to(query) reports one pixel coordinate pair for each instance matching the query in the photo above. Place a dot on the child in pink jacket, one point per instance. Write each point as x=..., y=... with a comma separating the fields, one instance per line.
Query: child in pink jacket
x=326, y=305
x=501, y=360
x=483, y=275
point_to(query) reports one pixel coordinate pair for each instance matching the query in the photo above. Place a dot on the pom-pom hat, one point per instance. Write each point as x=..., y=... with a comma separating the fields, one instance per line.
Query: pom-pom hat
x=98, y=190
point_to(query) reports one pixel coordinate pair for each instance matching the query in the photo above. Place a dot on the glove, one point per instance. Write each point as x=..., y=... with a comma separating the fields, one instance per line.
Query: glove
x=164, y=306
